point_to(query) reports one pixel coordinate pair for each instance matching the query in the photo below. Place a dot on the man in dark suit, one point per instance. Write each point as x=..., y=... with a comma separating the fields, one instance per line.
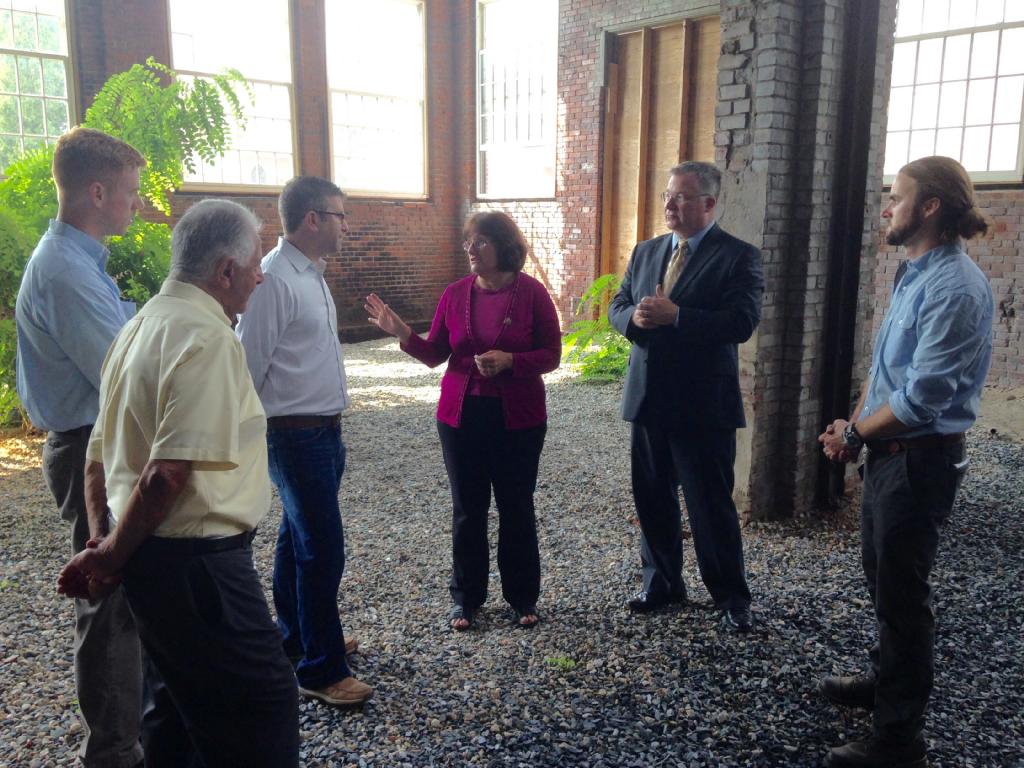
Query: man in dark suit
x=687, y=300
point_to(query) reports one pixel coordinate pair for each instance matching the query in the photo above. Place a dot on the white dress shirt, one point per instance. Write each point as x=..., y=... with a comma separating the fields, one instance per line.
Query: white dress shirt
x=290, y=335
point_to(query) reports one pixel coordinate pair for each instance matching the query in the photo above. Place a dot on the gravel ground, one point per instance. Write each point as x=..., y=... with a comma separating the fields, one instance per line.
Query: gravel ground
x=593, y=685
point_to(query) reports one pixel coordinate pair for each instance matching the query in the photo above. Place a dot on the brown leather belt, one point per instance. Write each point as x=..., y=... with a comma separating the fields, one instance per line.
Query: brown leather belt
x=897, y=444
x=279, y=423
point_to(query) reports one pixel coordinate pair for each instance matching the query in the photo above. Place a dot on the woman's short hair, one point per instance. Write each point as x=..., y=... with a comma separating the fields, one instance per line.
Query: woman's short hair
x=946, y=180
x=85, y=155
x=209, y=231
x=508, y=241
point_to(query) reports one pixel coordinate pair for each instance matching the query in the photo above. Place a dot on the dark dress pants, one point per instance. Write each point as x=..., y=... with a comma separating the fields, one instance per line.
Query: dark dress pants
x=701, y=460
x=907, y=495
x=222, y=691
x=479, y=455
x=108, y=661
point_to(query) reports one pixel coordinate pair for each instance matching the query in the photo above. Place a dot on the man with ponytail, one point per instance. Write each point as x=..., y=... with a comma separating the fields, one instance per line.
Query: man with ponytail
x=927, y=372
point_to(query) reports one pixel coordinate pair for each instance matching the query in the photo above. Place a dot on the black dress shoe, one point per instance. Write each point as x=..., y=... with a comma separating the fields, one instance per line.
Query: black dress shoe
x=872, y=753
x=738, y=619
x=645, y=602
x=849, y=691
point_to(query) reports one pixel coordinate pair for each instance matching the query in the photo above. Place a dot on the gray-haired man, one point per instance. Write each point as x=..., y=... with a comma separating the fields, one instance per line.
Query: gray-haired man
x=178, y=457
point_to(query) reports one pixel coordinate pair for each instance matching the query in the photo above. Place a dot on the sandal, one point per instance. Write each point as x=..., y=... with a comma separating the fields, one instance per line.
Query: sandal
x=459, y=613
x=523, y=614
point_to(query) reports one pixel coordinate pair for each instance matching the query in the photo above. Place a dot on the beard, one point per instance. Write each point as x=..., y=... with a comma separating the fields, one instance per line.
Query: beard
x=900, y=235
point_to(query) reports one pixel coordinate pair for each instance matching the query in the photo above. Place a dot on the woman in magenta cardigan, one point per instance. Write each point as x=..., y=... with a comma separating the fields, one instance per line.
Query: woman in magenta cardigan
x=499, y=331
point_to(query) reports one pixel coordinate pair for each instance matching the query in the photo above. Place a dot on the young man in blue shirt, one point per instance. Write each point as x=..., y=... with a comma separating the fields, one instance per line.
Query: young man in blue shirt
x=67, y=314
x=927, y=372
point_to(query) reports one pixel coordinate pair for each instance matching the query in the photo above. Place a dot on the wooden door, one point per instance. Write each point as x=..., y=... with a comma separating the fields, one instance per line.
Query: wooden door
x=661, y=111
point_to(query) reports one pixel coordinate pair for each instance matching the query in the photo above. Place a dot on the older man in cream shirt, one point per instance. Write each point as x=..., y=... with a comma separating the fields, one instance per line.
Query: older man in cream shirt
x=178, y=461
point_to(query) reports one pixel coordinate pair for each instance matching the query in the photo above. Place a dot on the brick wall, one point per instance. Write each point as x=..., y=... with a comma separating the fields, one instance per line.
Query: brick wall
x=1001, y=256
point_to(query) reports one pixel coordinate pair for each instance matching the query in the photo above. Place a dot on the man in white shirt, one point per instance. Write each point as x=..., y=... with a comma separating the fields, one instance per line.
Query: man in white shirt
x=290, y=335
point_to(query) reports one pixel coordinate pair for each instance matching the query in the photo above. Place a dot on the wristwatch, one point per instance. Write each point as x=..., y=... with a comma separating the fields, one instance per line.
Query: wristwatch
x=852, y=438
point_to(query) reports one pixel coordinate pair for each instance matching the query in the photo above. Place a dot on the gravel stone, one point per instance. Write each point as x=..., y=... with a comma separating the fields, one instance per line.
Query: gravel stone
x=592, y=685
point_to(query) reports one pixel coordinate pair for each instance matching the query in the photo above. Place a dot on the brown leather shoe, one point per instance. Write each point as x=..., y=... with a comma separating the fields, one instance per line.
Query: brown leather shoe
x=346, y=692
x=872, y=753
x=849, y=690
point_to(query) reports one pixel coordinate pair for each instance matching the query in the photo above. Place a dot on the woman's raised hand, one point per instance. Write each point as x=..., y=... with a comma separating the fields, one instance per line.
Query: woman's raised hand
x=381, y=315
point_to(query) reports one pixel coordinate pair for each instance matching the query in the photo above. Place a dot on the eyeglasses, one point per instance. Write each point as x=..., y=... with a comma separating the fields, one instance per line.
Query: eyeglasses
x=477, y=243
x=339, y=214
x=680, y=198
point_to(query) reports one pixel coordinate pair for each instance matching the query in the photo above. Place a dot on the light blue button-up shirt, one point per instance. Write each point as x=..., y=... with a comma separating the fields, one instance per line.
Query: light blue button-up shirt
x=68, y=312
x=933, y=350
x=693, y=240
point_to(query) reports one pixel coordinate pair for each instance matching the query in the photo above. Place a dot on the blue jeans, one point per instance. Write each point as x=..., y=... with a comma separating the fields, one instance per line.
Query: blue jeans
x=306, y=466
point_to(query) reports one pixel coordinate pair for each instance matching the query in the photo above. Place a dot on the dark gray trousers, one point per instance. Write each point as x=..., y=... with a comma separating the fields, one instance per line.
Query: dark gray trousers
x=108, y=665
x=907, y=496
x=701, y=461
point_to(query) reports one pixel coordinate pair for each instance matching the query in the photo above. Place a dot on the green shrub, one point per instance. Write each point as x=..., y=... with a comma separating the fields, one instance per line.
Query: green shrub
x=601, y=351
x=170, y=121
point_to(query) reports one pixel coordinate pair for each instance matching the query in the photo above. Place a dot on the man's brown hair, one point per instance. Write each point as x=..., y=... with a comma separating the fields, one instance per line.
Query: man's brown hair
x=946, y=180
x=85, y=155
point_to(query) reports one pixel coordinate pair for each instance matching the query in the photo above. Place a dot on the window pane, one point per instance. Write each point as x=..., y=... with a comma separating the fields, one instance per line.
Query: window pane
x=9, y=115
x=975, y=157
x=904, y=61
x=1011, y=52
x=25, y=31
x=54, y=78
x=979, y=102
x=958, y=56
x=8, y=74
x=936, y=15
x=926, y=106
x=1004, y=148
x=929, y=60
x=378, y=107
x=10, y=150
x=258, y=45
x=922, y=143
x=895, y=152
x=990, y=12
x=6, y=29
x=1014, y=11
x=908, y=21
x=51, y=35
x=947, y=142
x=1008, y=99
x=951, y=104
x=32, y=121
x=56, y=117
x=961, y=14
x=983, y=54
x=516, y=98
x=30, y=76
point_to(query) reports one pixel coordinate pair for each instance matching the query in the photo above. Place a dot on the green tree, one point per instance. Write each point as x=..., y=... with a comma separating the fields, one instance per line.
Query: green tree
x=171, y=121
x=600, y=350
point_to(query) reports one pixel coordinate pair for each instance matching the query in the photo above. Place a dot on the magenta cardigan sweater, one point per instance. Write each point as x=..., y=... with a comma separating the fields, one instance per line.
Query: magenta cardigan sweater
x=530, y=332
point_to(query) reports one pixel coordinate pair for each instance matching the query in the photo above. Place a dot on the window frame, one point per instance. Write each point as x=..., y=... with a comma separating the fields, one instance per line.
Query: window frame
x=376, y=194
x=479, y=194
x=979, y=177
x=233, y=188
x=70, y=70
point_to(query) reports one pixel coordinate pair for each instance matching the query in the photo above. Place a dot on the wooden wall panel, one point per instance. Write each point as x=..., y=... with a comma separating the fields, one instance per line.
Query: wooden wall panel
x=625, y=152
x=665, y=126
x=704, y=84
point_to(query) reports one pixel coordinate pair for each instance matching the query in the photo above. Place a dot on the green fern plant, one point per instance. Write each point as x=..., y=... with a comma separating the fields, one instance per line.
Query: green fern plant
x=601, y=352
